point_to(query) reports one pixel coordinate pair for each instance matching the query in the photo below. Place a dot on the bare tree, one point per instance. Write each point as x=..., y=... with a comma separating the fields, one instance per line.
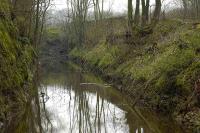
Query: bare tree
x=79, y=11
x=157, y=11
x=45, y=4
x=145, y=11
x=98, y=11
x=137, y=12
x=130, y=13
x=185, y=5
x=36, y=31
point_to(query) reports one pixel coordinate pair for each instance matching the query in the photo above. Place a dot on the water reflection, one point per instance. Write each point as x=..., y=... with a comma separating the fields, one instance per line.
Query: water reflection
x=83, y=112
x=70, y=105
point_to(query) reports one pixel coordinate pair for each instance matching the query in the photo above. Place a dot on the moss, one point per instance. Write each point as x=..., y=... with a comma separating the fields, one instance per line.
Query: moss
x=4, y=7
x=77, y=53
x=186, y=79
x=15, y=63
x=104, y=55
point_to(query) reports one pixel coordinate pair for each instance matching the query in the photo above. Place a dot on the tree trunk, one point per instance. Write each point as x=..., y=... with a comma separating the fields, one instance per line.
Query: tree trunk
x=145, y=12
x=157, y=11
x=185, y=6
x=130, y=13
x=102, y=9
x=137, y=12
x=35, y=41
x=197, y=8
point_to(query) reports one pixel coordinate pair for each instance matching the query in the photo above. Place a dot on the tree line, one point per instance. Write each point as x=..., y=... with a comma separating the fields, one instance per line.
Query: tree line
x=191, y=9
x=29, y=17
x=78, y=10
x=143, y=18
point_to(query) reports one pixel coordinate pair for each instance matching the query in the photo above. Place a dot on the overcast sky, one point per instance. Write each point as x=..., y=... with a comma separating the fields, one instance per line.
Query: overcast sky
x=116, y=5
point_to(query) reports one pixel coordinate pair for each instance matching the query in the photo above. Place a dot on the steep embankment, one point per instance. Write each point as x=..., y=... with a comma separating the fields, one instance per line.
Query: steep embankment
x=160, y=69
x=16, y=56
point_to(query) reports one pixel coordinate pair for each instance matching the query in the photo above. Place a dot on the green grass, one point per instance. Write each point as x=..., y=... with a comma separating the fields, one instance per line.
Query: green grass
x=175, y=61
x=52, y=33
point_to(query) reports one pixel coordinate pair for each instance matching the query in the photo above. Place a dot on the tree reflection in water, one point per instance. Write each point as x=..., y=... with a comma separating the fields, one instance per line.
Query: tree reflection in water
x=68, y=106
x=65, y=103
x=77, y=110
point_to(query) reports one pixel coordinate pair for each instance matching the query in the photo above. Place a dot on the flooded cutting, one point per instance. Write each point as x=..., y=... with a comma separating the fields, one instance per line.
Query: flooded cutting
x=72, y=101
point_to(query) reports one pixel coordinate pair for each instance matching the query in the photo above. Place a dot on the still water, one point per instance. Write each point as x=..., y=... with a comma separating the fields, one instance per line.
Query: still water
x=70, y=100
x=73, y=101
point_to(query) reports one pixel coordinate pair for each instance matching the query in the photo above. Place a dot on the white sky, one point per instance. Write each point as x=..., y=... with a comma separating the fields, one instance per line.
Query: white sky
x=116, y=5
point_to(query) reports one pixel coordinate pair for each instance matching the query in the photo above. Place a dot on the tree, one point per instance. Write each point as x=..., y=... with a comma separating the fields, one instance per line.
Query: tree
x=98, y=11
x=79, y=12
x=44, y=7
x=185, y=6
x=157, y=11
x=22, y=14
x=130, y=13
x=36, y=31
x=137, y=13
x=191, y=8
x=145, y=12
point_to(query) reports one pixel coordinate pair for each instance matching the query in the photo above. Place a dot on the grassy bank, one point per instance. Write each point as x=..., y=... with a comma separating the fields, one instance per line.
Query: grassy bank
x=160, y=69
x=16, y=58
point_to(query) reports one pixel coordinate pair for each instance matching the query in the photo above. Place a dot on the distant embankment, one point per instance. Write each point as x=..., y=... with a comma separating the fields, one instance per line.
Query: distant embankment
x=53, y=47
